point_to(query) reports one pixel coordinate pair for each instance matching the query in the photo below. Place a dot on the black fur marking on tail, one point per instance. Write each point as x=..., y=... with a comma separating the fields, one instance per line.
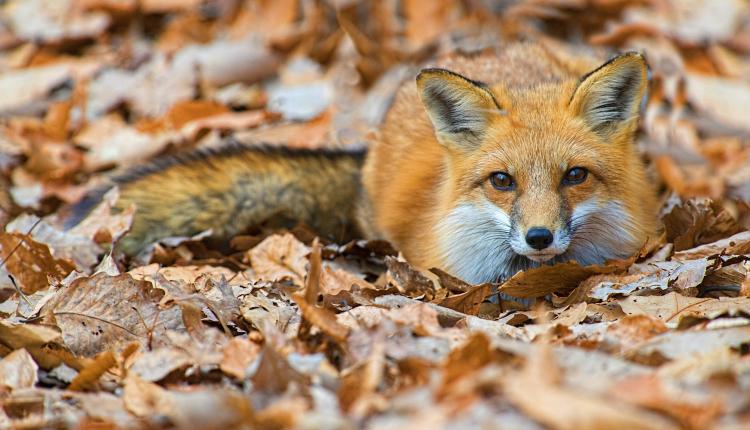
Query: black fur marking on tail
x=231, y=148
x=80, y=210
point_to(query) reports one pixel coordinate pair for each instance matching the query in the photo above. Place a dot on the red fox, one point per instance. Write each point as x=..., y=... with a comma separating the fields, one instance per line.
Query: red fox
x=487, y=166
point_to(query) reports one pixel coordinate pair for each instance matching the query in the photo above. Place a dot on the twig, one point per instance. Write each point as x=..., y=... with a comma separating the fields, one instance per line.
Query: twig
x=18, y=290
x=12, y=251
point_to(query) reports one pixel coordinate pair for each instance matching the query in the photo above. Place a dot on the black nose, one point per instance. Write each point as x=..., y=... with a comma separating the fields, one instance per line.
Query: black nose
x=539, y=237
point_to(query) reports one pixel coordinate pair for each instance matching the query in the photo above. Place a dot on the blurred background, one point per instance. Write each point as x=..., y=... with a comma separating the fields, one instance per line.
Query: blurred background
x=91, y=87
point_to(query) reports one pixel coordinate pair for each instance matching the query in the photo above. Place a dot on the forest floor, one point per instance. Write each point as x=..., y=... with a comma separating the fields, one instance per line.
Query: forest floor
x=286, y=331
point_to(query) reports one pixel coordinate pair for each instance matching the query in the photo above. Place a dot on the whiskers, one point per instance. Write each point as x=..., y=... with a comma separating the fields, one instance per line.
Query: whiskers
x=602, y=234
x=474, y=242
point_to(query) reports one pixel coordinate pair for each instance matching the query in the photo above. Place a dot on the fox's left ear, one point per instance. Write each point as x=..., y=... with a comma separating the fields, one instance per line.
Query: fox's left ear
x=609, y=97
x=460, y=109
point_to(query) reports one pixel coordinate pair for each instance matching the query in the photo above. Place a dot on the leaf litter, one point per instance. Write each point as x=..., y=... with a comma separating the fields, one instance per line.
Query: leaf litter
x=279, y=330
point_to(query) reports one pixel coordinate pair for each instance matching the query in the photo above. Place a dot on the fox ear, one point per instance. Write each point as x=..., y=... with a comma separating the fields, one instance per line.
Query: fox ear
x=610, y=96
x=459, y=108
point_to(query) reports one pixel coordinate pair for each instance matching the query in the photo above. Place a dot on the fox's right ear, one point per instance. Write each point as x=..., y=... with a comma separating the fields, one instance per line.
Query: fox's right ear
x=459, y=108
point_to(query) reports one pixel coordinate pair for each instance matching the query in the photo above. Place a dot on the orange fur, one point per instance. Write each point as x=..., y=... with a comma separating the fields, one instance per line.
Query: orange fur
x=536, y=128
x=426, y=180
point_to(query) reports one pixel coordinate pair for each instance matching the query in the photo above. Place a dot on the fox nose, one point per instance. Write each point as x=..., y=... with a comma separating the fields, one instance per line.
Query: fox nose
x=539, y=238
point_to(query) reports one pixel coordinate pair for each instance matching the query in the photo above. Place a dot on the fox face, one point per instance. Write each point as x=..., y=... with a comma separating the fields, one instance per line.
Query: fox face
x=539, y=175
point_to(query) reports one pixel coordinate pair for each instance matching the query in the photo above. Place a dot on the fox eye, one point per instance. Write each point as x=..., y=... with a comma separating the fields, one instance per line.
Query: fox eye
x=575, y=176
x=502, y=181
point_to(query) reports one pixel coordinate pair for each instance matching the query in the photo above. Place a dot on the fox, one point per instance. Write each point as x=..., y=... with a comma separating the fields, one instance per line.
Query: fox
x=483, y=166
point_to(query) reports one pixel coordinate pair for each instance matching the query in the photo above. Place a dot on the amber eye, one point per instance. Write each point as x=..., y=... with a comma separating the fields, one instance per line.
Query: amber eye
x=575, y=176
x=502, y=181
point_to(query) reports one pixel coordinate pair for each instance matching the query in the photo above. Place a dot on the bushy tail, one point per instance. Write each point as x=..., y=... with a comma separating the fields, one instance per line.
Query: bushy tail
x=232, y=188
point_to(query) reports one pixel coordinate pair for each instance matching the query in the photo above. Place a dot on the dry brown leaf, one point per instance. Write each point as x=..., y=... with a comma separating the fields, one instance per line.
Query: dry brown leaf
x=158, y=364
x=150, y=90
x=110, y=141
x=224, y=62
x=238, y=354
x=558, y=278
x=274, y=374
x=18, y=370
x=691, y=21
x=651, y=392
x=103, y=313
x=53, y=20
x=103, y=407
x=536, y=390
x=197, y=408
x=684, y=344
x=184, y=112
x=738, y=244
x=723, y=99
x=230, y=121
x=631, y=330
x=334, y=281
x=81, y=250
x=322, y=318
x=660, y=276
x=23, y=88
x=89, y=375
x=280, y=257
x=469, y=357
x=163, y=6
x=311, y=134
x=359, y=383
x=674, y=307
x=468, y=302
x=43, y=342
x=53, y=161
x=308, y=298
x=697, y=222
x=30, y=263
x=409, y=280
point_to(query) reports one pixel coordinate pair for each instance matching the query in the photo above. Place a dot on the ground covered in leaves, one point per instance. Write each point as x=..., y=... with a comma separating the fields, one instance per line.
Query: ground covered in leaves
x=280, y=330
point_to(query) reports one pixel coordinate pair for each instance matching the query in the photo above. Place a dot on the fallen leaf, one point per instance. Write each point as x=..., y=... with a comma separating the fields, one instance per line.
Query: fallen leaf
x=89, y=375
x=723, y=99
x=22, y=89
x=631, y=330
x=110, y=141
x=468, y=302
x=562, y=277
x=735, y=245
x=81, y=250
x=280, y=257
x=674, y=307
x=30, y=263
x=682, y=344
x=103, y=313
x=18, y=370
x=659, y=276
x=237, y=356
x=536, y=390
x=306, y=300
x=651, y=392
x=697, y=222
x=53, y=20
x=409, y=280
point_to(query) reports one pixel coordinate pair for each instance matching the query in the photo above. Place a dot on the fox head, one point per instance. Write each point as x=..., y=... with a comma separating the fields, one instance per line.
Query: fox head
x=542, y=174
